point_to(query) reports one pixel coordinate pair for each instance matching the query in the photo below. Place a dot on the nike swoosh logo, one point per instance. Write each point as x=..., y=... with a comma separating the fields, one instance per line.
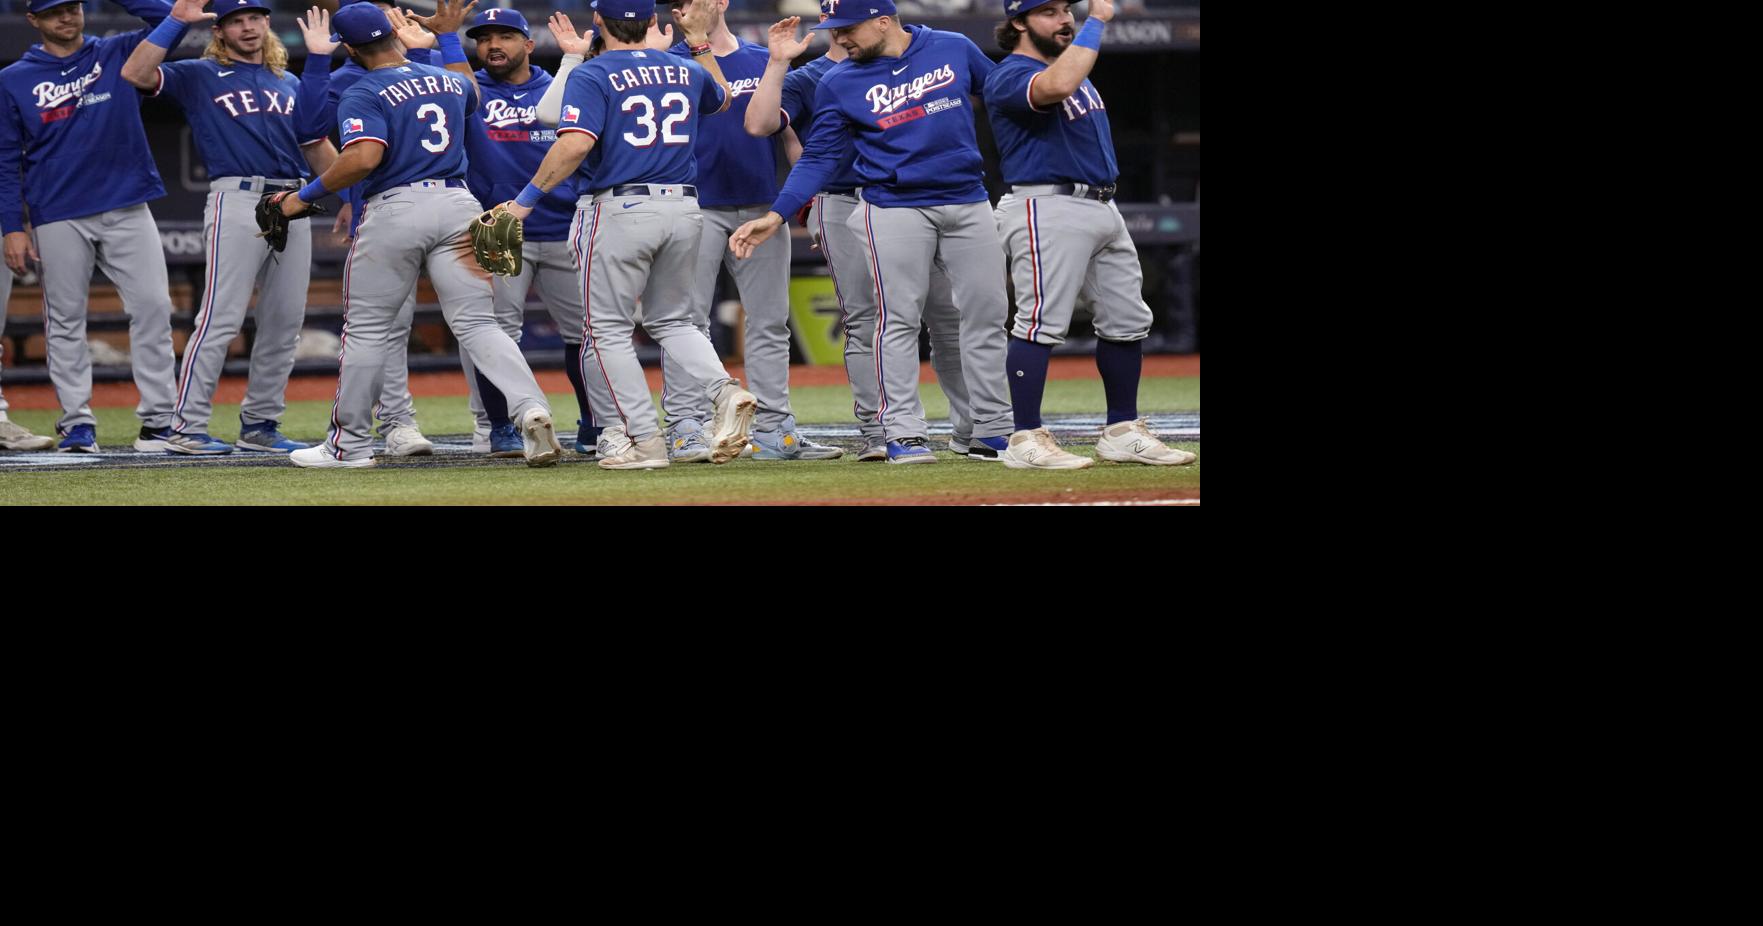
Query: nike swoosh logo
x=226, y=73
x=628, y=205
x=519, y=95
x=388, y=195
x=70, y=70
x=903, y=67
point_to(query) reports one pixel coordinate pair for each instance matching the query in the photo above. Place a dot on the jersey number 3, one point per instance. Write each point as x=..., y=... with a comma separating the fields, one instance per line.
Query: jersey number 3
x=440, y=127
x=647, y=119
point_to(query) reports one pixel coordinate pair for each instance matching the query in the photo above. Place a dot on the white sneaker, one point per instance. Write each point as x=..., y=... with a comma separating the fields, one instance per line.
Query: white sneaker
x=735, y=408
x=648, y=453
x=406, y=441
x=1133, y=442
x=14, y=437
x=1038, y=450
x=542, y=448
x=480, y=439
x=612, y=442
x=319, y=457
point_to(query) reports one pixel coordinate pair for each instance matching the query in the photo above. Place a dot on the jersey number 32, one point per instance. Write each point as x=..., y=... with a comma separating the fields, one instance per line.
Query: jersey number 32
x=677, y=108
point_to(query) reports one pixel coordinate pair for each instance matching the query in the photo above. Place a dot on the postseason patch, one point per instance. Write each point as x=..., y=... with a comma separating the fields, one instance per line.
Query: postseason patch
x=572, y=114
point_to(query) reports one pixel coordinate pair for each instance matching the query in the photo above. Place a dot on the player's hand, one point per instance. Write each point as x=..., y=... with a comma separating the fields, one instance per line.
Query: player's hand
x=750, y=236
x=571, y=42
x=449, y=16
x=291, y=205
x=190, y=11
x=693, y=18
x=781, y=39
x=316, y=27
x=341, y=225
x=409, y=31
x=660, y=37
x=1102, y=10
x=517, y=210
x=21, y=252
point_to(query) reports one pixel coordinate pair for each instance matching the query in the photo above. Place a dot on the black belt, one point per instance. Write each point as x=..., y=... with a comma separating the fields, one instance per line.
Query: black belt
x=251, y=187
x=642, y=189
x=1100, y=194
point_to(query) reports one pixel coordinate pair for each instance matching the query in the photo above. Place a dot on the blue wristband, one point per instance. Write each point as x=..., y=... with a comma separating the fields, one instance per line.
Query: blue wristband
x=1090, y=36
x=168, y=33
x=451, y=51
x=530, y=196
x=313, y=191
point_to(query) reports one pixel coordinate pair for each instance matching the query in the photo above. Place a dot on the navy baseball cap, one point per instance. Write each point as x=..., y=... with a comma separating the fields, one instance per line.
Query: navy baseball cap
x=1015, y=8
x=38, y=6
x=634, y=10
x=841, y=13
x=224, y=8
x=359, y=24
x=498, y=18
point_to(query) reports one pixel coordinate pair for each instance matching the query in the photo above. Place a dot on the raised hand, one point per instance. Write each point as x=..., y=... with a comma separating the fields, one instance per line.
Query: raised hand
x=572, y=42
x=190, y=11
x=449, y=15
x=1102, y=10
x=660, y=37
x=781, y=38
x=316, y=27
x=693, y=18
x=410, y=31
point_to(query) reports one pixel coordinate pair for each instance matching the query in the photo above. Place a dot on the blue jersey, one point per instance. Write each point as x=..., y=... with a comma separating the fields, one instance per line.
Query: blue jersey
x=908, y=121
x=642, y=109
x=71, y=139
x=1068, y=142
x=418, y=113
x=507, y=143
x=334, y=83
x=797, y=106
x=734, y=168
x=244, y=118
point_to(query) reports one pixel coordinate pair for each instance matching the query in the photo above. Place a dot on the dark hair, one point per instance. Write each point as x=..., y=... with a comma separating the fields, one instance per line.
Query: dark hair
x=376, y=46
x=625, y=30
x=596, y=45
x=1007, y=34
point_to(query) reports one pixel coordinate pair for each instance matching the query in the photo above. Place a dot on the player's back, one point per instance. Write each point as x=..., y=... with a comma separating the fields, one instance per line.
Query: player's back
x=418, y=113
x=642, y=108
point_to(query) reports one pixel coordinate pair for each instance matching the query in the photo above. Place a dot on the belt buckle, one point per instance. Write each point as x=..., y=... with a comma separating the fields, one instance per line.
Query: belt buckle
x=1104, y=193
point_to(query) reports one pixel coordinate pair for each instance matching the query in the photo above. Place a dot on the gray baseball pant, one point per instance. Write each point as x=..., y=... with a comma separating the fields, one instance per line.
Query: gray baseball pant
x=763, y=280
x=396, y=408
x=125, y=244
x=903, y=244
x=1065, y=250
x=5, y=297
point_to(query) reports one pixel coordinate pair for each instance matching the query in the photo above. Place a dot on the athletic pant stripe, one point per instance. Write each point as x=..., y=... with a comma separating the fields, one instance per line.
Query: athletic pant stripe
x=881, y=313
x=1034, y=259
x=586, y=262
x=336, y=435
x=204, y=319
x=844, y=318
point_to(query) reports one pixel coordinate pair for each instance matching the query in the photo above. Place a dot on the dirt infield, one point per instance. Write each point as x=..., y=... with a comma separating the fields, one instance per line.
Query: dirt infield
x=41, y=396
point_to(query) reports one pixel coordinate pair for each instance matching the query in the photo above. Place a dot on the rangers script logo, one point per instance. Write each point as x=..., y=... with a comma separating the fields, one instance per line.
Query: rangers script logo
x=885, y=99
x=500, y=113
x=51, y=94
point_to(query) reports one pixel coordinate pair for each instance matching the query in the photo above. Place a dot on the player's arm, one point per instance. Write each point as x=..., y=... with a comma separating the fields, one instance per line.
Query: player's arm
x=792, y=146
x=764, y=110
x=358, y=160
x=694, y=24
x=20, y=250
x=1067, y=72
x=142, y=67
x=320, y=155
x=575, y=51
x=564, y=158
x=449, y=16
x=152, y=12
x=311, y=123
x=828, y=143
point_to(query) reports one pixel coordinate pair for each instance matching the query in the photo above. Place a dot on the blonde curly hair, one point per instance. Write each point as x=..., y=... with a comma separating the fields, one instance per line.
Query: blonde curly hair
x=275, y=54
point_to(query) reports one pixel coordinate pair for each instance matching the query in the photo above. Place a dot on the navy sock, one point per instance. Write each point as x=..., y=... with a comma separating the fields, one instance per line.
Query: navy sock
x=1026, y=365
x=1119, y=363
x=495, y=406
x=588, y=433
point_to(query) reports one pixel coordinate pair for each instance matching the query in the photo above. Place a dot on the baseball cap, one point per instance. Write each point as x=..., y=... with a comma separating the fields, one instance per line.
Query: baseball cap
x=38, y=6
x=224, y=8
x=359, y=24
x=634, y=10
x=841, y=13
x=1015, y=8
x=500, y=18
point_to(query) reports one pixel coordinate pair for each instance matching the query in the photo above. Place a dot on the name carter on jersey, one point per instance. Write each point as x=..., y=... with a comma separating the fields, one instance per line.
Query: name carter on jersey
x=421, y=86
x=649, y=75
x=885, y=99
x=51, y=94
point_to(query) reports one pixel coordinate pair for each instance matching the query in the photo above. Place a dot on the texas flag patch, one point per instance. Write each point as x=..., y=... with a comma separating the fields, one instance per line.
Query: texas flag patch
x=572, y=114
x=351, y=126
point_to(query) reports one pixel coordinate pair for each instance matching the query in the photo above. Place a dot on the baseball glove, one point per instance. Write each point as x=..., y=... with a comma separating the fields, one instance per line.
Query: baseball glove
x=496, y=238
x=272, y=225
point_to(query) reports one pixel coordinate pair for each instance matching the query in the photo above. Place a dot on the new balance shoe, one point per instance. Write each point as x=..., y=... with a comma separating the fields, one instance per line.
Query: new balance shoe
x=874, y=448
x=82, y=438
x=506, y=441
x=266, y=437
x=688, y=447
x=153, y=440
x=1037, y=449
x=986, y=448
x=540, y=437
x=735, y=408
x=15, y=437
x=1133, y=442
x=790, y=445
x=648, y=453
x=959, y=446
x=910, y=450
x=406, y=441
x=320, y=457
x=197, y=445
x=612, y=442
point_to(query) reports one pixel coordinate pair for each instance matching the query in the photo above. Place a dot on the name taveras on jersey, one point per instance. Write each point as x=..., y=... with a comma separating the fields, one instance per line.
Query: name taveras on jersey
x=411, y=88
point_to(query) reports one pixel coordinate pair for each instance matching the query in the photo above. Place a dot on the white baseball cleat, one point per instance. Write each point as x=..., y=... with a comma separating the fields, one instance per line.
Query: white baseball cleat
x=648, y=453
x=542, y=448
x=319, y=457
x=735, y=408
x=15, y=437
x=612, y=442
x=1037, y=449
x=406, y=441
x=1133, y=442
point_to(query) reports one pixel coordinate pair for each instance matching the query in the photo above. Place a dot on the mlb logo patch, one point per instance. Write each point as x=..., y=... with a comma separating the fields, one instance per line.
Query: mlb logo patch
x=572, y=114
x=351, y=126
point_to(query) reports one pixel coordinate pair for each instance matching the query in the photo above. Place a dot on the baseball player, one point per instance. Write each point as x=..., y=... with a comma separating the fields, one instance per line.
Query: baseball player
x=506, y=144
x=251, y=123
x=899, y=105
x=72, y=150
x=737, y=176
x=402, y=126
x=636, y=111
x=786, y=98
x=1062, y=231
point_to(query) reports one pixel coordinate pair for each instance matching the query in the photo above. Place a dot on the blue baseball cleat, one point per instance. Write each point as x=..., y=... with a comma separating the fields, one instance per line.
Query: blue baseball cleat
x=153, y=440
x=987, y=448
x=910, y=450
x=506, y=442
x=196, y=445
x=265, y=437
x=82, y=438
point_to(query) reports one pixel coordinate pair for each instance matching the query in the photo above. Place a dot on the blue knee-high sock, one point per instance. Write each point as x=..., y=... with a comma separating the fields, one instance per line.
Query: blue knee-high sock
x=588, y=433
x=1119, y=363
x=1026, y=364
x=495, y=406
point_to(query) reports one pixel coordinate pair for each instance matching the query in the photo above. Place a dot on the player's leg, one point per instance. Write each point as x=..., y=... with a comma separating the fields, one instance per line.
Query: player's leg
x=855, y=289
x=396, y=409
x=377, y=276
x=1047, y=279
x=610, y=248
x=489, y=408
x=684, y=407
x=131, y=255
x=764, y=283
x=557, y=284
x=969, y=241
x=1115, y=287
x=281, y=310
x=943, y=321
x=12, y=435
x=232, y=258
x=67, y=254
x=900, y=245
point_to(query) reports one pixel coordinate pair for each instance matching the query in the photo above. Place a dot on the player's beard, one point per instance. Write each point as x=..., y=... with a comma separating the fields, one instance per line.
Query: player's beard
x=872, y=52
x=1049, y=46
x=509, y=65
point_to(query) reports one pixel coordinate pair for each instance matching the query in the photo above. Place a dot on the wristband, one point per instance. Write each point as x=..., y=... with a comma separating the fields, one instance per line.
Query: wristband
x=451, y=51
x=168, y=33
x=1090, y=36
x=699, y=49
x=313, y=191
x=530, y=197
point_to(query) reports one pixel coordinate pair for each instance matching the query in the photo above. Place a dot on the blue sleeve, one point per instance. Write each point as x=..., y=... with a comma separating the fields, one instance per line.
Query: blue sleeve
x=422, y=56
x=311, y=120
x=584, y=105
x=980, y=66
x=1007, y=90
x=796, y=97
x=11, y=169
x=711, y=100
x=152, y=12
x=829, y=144
x=360, y=117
